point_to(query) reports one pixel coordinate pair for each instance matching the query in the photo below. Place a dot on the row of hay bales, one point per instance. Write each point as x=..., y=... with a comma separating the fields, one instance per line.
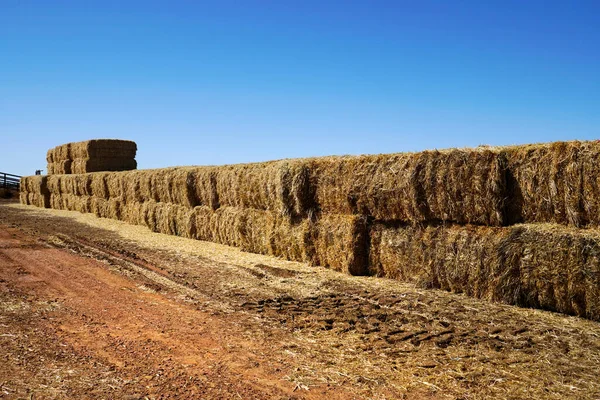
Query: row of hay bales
x=92, y=156
x=496, y=223
x=334, y=241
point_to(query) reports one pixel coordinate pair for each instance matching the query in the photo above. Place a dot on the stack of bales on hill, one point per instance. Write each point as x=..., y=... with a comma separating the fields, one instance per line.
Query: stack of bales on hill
x=91, y=156
x=504, y=224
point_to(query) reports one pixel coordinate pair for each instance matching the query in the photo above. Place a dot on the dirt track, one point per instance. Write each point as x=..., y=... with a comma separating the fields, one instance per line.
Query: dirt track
x=93, y=308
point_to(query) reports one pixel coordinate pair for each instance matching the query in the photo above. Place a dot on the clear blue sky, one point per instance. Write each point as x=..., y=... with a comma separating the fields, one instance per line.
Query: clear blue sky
x=203, y=82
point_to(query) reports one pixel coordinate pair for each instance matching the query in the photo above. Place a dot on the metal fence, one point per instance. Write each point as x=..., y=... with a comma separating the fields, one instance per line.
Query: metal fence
x=9, y=181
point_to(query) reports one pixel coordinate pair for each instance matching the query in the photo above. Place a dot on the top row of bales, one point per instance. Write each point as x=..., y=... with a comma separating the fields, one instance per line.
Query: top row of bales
x=92, y=156
x=557, y=182
x=496, y=186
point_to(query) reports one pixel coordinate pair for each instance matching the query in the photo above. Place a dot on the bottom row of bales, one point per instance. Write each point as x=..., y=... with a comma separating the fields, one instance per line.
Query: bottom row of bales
x=543, y=266
x=334, y=241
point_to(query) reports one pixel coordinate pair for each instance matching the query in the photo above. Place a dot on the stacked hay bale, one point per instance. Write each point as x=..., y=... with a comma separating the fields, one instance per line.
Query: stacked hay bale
x=515, y=224
x=92, y=156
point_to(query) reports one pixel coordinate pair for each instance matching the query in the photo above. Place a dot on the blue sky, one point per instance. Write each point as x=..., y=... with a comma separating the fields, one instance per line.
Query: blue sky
x=203, y=82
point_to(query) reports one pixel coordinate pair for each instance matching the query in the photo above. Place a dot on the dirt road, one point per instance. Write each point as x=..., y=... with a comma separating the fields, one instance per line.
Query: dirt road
x=94, y=308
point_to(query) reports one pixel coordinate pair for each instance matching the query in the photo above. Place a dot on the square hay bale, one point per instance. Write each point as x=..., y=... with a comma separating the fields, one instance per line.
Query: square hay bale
x=203, y=187
x=225, y=225
x=61, y=153
x=180, y=184
x=279, y=186
x=137, y=186
x=56, y=201
x=50, y=169
x=50, y=156
x=589, y=158
x=53, y=184
x=99, y=185
x=62, y=167
x=104, y=208
x=38, y=200
x=256, y=230
x=462, y=259
x=83, y=184
x=37, y=184
x=544, y=266
x=292, y=239
x=68, y=184
x=86, y=165
x=548, y=183
x=341, y=243
x=173, y=219
x=465, y=186
x=559, y=270
x=104, y=148
x=23, y=198
x=115, y=185
x=132, y=213
x=161, y=184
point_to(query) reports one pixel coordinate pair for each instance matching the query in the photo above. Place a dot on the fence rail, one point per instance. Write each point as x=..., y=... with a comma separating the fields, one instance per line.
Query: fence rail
x=9, y=181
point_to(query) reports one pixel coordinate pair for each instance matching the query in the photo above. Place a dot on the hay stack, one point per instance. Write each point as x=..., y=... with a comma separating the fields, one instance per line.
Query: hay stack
x=534, y=265
x=92, y=156
x=463, y=186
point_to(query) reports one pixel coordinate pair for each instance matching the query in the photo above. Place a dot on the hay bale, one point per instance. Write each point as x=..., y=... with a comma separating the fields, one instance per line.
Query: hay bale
x=36, y=189
x=341, y=243
x=87, y=165
x=68, y=184
x=132, y=213
x=462, y=259
x=292, y=240
x=38, y=200
x=138, y=186
x=50, y=169
x=50, y=156
x=99, y=186
x=180, y=185
x=37, y=184
x=279, y=186
x=203, y=187
x=115, y=185
x=161, y=185
x=225, y=225
x=173, y=219
x=61, y=153
x=465, y=186
x=62, y=167
x=53, y=184
x=83, y=184
x=554, y=182
x=103, y=148
x=543, y=266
